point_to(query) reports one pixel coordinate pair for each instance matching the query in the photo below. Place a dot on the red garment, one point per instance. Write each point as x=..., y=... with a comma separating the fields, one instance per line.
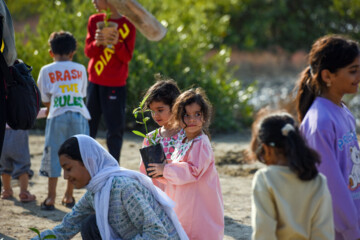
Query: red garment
x=109, y=66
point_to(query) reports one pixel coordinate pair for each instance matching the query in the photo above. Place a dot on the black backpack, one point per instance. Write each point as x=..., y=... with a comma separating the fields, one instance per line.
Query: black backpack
x=22, y=94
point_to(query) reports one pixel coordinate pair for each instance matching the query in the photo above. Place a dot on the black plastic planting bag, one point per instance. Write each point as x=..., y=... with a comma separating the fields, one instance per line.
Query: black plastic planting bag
x=152, y=154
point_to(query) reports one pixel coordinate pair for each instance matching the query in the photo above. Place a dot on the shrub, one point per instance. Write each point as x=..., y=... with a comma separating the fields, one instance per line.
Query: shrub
x=194, y=28
x=293, y=25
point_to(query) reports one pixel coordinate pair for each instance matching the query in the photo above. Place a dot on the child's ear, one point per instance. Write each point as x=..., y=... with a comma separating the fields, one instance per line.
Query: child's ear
x=267, y=150
x=269, y=154
x=71, y=55
x=51, y=53
x=326, y=76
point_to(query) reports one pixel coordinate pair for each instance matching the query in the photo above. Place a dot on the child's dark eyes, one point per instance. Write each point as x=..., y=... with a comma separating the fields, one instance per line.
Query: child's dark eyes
x=158, y=111
x=196, y=115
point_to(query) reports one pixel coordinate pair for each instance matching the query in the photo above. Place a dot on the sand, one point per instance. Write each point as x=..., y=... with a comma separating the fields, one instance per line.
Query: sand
x=16, y=217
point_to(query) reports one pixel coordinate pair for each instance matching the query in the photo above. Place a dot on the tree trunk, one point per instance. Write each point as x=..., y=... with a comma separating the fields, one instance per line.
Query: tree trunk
x=144, y=21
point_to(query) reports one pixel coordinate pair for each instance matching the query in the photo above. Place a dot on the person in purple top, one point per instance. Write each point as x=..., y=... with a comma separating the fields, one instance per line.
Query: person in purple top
x=329, y=126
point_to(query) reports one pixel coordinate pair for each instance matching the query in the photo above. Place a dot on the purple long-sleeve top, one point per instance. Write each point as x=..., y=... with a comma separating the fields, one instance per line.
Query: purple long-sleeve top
x=330, y=129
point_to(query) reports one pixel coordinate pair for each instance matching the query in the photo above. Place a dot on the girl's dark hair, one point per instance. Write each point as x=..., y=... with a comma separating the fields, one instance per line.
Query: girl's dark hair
x=330, y=52
x=71, y=148
x=301, y=159
x=62, y=43
x=164, y=90
x=188, y=97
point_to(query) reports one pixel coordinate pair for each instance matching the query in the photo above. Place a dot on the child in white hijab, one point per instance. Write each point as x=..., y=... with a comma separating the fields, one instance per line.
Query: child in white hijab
x=126, y=204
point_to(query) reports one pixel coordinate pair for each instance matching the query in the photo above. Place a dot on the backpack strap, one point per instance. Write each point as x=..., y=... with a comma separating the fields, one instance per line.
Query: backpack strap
x=1, y=27
x=3, y=65
x=5, y=70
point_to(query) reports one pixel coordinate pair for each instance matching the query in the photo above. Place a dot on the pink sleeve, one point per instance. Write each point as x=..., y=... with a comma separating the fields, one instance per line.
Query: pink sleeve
x=159, y=182
x=195, y=163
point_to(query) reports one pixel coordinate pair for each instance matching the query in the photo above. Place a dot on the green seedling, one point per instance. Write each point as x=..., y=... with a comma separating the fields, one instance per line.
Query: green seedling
x=140, y=110
x=107, y=16
x=49, y=236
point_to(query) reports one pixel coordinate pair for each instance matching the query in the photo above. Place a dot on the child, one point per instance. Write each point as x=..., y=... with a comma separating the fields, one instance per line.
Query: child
x=15, y=162
x=118, y=204
x=8, y=50
x=63, y=86
x=277, y=210
x=161, y=97
x=108, y=71
x=192, y=180
x=329, y=126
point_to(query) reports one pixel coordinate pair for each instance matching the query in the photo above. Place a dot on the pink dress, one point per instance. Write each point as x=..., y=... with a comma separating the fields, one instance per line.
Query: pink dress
x=193, y=183
x=168, y=144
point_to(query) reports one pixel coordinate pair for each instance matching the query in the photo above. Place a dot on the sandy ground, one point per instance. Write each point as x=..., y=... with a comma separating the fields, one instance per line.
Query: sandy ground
x=16, y=218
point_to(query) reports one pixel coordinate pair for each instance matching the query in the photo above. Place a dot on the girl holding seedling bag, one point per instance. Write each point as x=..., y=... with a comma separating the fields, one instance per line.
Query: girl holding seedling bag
x=191, y=177
x=159, y=99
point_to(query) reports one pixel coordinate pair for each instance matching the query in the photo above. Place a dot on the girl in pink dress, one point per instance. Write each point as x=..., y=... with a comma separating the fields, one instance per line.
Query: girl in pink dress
x=191, y=177
x=161, y=97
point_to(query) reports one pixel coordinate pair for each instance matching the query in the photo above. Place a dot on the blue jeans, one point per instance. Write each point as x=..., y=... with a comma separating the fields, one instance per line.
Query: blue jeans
x=57, y=130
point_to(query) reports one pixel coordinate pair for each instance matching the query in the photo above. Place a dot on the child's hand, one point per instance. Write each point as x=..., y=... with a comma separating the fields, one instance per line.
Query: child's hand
x=156, y=169
x=113, y=37
x=99, y=38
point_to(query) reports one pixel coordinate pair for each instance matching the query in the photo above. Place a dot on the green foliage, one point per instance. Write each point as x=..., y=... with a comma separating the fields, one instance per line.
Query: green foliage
x=33, y=47
x=50, y=236
x=290, y=24
x=184, y=56
x=22, y=9
x=187, y=53
x=144, y=119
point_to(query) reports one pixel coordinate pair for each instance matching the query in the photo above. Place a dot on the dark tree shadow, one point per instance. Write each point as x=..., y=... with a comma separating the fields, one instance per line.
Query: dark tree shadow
x=237, y=230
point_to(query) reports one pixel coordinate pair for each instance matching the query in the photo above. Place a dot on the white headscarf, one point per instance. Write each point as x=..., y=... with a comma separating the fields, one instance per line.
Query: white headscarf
x=103, y=168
